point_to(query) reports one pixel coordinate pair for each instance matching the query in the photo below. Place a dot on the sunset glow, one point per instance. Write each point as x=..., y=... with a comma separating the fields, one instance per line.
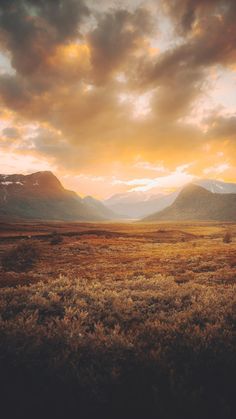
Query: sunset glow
x=119, y=96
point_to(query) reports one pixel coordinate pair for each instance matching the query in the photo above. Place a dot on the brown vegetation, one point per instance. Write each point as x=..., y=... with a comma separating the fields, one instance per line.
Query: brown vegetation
x=122, y=322
x=227, y=237
x=56, y=238
x=21, y=258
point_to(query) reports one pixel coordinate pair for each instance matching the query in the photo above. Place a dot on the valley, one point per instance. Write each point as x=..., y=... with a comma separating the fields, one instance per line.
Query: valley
x=41, y=197
x=117, y=209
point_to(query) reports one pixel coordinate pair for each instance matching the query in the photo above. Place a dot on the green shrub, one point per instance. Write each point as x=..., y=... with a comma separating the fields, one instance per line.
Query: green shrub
x=22, y=258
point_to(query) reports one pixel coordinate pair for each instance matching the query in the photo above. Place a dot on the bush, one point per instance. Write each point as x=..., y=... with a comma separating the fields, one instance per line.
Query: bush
x=227, y=237
x=20, y=259
x=56, y=238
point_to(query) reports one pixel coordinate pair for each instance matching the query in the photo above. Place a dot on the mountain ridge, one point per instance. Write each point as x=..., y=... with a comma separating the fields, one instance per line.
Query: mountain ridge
x=195, y=203
x=136, y=205
x=40, y=196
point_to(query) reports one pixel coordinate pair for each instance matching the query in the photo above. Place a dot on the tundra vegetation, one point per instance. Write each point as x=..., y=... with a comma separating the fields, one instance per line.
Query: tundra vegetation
x=119, y=321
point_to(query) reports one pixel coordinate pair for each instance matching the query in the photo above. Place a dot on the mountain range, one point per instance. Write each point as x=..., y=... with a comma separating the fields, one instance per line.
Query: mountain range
x=198, y=204
x=41, y=196
x=216, y=186
x=136, y=205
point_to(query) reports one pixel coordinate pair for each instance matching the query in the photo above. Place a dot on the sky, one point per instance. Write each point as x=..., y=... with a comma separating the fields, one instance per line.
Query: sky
x=119, y=96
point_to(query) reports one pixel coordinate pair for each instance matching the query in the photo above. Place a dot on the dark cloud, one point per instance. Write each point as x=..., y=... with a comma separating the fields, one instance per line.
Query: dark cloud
x=14, y=92
x=186, y=13
x=30, y=29
x=36, y=32
x=208, y=27
x=118, y=34
x=69, y=85
x=180, y=73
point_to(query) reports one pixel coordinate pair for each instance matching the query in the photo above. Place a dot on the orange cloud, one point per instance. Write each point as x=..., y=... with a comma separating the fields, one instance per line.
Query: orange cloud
x=96, y=94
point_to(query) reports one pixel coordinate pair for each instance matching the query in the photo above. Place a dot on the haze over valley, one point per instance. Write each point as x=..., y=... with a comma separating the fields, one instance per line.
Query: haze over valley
x=41, y=196
x=117, y=209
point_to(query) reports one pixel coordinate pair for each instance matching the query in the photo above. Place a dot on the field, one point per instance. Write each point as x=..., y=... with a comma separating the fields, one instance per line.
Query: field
x=119, y=321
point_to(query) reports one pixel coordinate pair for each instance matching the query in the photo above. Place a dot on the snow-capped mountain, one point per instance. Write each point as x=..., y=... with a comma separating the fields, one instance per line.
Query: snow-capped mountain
x=216, y=186
x=135, y=205
x=42, y=196
x=195, y=203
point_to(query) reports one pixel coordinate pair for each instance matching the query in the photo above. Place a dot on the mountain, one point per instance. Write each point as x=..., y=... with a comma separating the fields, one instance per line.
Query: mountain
x=216, y=186
x=99, y=208
x=138, y=204
x=135, y=205
x=42, y=196
x=197, y=203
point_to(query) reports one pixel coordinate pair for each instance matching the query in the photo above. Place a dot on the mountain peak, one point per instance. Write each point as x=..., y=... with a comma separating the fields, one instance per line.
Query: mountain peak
x=41, y=195
x=196, y=203
x=90, y=198
x=193, y=189
x=216, y=186
x=46, y=180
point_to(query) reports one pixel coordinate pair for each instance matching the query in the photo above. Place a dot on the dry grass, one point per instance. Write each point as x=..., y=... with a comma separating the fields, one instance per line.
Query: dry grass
x=122, y=321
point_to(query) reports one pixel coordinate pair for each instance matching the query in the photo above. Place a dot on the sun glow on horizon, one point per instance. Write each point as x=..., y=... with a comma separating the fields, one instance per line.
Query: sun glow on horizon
x=116, y=98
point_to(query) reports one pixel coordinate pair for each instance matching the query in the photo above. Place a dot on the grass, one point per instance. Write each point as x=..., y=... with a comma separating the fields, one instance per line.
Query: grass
x=21, y=258
x=121, y=321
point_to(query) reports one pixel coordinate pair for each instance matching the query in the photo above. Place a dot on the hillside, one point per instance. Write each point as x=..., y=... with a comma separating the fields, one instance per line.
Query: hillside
x=41, y=196
x=138, y=205
x=197, y=203
x=100, y=209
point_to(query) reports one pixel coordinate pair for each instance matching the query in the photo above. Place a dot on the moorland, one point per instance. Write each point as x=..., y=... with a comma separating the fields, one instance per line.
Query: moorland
x=118, y=320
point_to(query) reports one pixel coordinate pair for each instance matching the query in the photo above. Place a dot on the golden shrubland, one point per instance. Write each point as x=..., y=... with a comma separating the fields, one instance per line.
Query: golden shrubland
x=122, y=321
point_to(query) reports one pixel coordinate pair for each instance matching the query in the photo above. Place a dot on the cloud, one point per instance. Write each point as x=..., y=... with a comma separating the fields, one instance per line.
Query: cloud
x=31, y=29
x=117, y=36
x=208, y=38
x=10, y=132
x=217, y=169
x=220, y=126
x=175, y=179
x=208, y=27
x=96, y=128
x=154, y=167
x=187, y=13
x=94, y=81
x=12, y=162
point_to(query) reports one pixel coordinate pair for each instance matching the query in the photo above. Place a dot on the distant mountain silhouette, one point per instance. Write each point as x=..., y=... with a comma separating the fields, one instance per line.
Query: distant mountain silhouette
x=197, y=203
x=135, y=205
x=42, y=196
x=216, y=186
x=138, y=204
x=99, y=208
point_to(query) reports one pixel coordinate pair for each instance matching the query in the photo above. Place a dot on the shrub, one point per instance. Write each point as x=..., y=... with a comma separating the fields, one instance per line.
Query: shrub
x=227, y=237
x=21, y=258
x=56, y=238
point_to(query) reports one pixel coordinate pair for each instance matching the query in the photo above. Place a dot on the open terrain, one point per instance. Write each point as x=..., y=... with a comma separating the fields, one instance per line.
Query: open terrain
x=120, y=321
